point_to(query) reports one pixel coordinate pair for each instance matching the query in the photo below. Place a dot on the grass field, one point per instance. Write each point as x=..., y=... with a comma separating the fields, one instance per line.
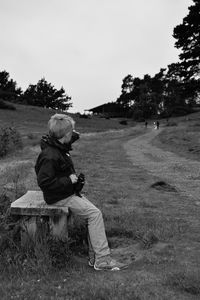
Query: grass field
x=155, y=230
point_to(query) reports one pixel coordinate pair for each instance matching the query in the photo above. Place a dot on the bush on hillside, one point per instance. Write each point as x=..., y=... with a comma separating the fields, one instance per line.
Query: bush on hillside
x=123, y=122
x=5, y=105
x=171, y=124
x=84, y=116
x=177, y=111
x=10, y=140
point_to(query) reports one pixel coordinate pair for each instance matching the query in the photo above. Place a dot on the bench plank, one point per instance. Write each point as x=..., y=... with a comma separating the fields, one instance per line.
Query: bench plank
x=32, y=204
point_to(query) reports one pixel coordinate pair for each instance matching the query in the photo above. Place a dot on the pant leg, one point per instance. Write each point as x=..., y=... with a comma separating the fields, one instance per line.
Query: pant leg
x=88, y=211
x=91, y=253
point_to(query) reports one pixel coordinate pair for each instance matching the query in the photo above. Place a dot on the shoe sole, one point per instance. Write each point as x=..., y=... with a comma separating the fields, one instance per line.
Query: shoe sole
x=90, y=265
x=110, y=269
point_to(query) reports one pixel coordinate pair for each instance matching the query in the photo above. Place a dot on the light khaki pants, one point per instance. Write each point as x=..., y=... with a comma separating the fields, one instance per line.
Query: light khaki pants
x=82, y=207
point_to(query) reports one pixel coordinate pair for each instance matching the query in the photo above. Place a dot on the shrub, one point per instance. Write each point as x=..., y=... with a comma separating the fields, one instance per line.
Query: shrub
x=197, y=124
x=171, y=124
x=138, y=115
x=10, y=139
x=31, y=136
x=33, y=139
x=84, y=116
x=9, y=232
x=4, y=105
x=123, y=122
x=177, y=111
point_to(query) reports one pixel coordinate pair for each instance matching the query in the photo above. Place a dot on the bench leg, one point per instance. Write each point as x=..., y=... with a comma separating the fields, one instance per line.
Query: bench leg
x=28, y=229
x=58, y=227
x=55, y=226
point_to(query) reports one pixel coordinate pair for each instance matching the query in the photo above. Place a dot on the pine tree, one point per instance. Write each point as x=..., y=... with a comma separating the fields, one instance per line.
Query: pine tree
x=44, y=94
x=187, y=35
x=8, y=87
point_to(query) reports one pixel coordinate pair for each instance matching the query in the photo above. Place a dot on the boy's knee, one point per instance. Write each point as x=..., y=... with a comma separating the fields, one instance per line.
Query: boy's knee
x=96, y=211
x=99, y=213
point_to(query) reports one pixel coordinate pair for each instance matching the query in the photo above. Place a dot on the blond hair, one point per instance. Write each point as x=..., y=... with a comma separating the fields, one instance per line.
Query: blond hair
x=60, y=124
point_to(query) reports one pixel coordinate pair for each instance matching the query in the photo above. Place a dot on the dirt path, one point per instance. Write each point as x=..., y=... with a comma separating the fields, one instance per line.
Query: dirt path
x=180, y=172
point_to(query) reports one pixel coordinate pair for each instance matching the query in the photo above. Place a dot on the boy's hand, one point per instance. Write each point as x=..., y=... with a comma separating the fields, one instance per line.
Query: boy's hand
x=79, y=185
x=73, y=178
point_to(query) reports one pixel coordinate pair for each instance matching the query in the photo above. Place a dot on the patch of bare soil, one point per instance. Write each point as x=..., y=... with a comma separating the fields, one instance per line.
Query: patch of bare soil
x=163, y=186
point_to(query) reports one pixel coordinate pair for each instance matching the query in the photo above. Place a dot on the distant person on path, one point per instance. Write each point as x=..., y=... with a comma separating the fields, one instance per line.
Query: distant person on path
x=146, y=124
x=61, y=186
x=157, y=125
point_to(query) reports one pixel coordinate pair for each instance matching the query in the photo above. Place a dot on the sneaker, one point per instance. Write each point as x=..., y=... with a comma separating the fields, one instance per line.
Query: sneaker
x=91, y=261
x=106, y=263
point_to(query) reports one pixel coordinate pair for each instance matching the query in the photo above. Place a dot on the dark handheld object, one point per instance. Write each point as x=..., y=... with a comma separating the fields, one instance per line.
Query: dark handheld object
x=79, y=184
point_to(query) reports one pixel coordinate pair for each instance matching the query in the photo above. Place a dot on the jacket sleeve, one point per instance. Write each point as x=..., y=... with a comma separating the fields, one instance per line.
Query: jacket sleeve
x=47, y=179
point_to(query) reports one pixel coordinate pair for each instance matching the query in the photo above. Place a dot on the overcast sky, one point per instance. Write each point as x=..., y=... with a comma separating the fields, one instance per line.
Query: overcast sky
x=87, y=46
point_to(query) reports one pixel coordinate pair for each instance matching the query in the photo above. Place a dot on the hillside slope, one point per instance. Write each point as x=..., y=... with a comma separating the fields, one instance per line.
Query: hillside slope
x=33, y=120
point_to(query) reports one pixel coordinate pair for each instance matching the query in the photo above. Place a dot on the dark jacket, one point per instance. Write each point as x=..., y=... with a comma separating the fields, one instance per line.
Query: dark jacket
x=53, y=168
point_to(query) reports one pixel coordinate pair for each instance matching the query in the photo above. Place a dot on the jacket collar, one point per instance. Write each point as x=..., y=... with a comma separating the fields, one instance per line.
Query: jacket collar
x=51, y=141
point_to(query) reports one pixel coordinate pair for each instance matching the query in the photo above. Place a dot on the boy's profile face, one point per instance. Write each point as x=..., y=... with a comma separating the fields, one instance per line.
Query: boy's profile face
x=67, y=138
x=61, y=127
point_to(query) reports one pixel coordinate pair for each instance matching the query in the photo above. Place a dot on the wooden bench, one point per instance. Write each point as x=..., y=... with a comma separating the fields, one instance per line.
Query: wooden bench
x=33, y=210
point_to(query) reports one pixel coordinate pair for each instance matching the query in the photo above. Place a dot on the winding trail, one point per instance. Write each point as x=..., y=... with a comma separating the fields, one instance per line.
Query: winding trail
x=180, y=172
